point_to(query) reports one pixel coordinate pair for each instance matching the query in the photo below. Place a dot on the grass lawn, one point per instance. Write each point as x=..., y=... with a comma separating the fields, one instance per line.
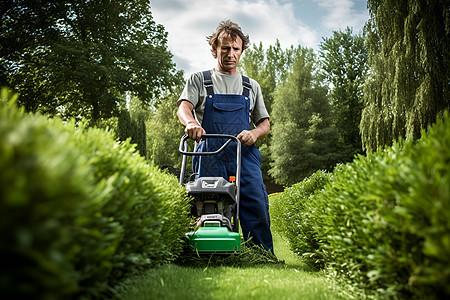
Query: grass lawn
x=261, y=281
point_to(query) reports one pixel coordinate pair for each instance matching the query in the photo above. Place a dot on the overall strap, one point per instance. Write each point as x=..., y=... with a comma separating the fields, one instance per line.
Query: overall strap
x=247, y=86
x=207, y=81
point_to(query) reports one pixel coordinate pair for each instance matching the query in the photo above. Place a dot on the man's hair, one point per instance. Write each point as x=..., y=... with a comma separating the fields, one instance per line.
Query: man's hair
x=230, y=28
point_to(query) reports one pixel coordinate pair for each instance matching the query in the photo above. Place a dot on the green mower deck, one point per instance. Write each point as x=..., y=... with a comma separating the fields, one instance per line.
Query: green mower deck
x=214, y=239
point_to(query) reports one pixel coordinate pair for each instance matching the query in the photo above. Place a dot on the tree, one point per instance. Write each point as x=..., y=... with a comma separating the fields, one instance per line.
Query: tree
x=133, y=128
x=343, y=68
x=268, y=67
x=303, y=137
x=78, y=58
x=164, y=132
x=408, y=44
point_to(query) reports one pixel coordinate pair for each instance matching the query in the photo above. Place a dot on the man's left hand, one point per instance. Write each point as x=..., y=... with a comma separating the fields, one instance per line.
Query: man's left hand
x=247, y=137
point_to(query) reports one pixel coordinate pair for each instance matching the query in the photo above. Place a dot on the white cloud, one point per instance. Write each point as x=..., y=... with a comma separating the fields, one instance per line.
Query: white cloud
x=189, y=22
x=272, y=20
x=341, y=13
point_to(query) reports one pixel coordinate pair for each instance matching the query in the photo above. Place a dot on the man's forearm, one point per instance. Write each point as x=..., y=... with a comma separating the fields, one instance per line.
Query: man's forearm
x=193, y=129
x=184, y=113
x=262, y=129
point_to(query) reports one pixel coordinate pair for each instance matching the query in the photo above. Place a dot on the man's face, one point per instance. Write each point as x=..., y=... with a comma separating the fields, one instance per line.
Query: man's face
x=228, y=53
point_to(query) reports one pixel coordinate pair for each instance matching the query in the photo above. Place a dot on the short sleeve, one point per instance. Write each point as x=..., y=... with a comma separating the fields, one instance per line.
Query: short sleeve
x=259, y=112
x=192, y=90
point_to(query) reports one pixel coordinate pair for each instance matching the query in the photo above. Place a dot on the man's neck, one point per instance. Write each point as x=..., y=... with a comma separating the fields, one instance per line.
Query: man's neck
x=229, y=72
x=235, y=72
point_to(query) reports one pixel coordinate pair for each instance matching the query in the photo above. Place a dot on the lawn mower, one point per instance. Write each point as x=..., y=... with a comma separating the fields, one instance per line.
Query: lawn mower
x=215, y=203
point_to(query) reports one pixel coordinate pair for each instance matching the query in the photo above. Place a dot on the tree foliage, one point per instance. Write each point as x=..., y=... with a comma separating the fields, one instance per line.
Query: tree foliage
x=303, y=137
x=408, y=44
x=269, y=68
x=164, y=132
x=343, y=68
x=133, y=128
x=76, y=58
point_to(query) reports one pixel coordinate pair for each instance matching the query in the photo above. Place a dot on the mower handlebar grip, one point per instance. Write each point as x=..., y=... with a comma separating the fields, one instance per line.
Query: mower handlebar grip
x=183, y=144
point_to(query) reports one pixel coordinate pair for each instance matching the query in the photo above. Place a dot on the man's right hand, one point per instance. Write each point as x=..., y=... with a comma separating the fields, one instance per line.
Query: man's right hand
x=194, y=131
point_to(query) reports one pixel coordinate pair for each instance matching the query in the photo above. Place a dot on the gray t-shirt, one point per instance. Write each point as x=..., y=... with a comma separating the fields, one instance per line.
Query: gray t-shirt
x=195, y=92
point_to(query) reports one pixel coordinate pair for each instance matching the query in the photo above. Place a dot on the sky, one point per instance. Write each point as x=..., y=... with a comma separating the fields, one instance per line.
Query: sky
x=292, y=22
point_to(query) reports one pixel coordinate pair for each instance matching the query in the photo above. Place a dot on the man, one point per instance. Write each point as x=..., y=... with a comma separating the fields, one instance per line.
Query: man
x=223, y=101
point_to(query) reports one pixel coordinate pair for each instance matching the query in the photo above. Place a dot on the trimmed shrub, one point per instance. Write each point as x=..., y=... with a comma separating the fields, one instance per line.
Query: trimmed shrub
x=387, y=216
x=80, y=211
x=42, y=191
x=292, y=213
x=354, y=228
x=381, y=225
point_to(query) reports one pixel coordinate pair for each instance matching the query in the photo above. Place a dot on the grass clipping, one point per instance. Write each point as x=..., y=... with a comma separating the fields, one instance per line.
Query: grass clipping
x=249, y=255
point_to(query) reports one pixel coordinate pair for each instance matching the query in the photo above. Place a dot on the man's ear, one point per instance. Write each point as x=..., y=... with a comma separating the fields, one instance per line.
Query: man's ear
x=214, y=50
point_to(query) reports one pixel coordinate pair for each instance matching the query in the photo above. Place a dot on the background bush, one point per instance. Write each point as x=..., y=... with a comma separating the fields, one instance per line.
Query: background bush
x=292, y=213
x=79, y=211
x=382, y=224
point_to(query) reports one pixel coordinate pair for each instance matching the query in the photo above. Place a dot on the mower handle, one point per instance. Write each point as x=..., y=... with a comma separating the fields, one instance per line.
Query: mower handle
x=183, y=145
x=184, y=150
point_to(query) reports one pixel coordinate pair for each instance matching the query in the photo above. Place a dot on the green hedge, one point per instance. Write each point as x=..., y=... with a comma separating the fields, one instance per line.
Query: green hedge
x=78, y=210
x=292, y=215
x=382, y=223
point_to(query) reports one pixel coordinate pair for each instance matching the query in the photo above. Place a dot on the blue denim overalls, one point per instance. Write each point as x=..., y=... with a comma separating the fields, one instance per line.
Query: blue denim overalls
x=229, y=114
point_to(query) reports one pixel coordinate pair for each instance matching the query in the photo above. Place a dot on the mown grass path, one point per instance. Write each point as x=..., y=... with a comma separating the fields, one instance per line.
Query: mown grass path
x=261, y=281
